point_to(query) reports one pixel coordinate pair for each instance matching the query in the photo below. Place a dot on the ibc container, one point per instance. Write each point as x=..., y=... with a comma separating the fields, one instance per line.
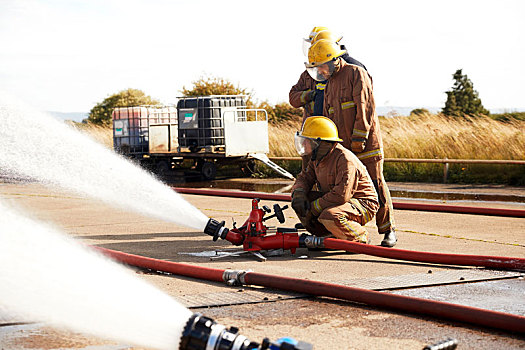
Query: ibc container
x=200, y=119
x=130, y=126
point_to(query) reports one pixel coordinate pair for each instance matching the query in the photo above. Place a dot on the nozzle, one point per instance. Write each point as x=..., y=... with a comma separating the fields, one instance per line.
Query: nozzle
x=204, y=333
x=216, y=229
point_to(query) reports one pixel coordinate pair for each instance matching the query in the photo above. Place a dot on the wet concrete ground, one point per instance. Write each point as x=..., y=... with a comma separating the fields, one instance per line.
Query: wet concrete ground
x=328, y=323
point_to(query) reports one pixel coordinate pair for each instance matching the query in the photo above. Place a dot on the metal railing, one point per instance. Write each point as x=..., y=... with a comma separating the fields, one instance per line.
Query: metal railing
x=444, y=161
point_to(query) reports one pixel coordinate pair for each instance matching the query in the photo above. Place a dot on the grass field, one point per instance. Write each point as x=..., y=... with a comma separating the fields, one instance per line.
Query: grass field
x=422, y=136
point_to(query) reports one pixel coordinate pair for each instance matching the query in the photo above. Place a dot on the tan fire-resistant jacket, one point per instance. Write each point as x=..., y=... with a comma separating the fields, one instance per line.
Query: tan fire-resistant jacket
x=349, y=102
x=340, y=176
x=298, y=93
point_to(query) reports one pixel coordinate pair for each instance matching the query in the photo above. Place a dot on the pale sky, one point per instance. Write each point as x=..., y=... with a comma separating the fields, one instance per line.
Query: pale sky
x=66, y=56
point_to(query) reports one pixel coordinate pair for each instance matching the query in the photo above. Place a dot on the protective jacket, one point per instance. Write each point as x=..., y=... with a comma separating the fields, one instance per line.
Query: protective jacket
x=341, y=178
x=349, y=102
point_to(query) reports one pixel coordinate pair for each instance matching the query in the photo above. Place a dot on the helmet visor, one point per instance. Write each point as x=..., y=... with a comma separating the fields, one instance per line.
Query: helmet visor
x=322, y=72
x=306, y=45
x=305, y=145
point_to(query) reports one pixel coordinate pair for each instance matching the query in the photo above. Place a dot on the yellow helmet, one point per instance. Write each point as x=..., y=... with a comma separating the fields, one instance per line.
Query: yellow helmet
x=314, y=32
x=315, y=129
x=323, y=51
x=320, y=128
x=326, y=35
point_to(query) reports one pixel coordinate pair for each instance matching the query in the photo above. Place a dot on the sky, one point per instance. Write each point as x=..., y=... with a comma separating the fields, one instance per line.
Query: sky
x=68, y=55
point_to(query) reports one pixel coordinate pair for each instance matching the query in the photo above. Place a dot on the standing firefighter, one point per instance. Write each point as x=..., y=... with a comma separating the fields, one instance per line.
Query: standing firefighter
x=309, y=93
x=349, y=102
x=346, y=199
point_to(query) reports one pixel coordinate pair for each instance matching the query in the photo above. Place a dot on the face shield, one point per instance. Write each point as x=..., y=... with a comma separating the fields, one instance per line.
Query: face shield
x=305, y=145
x=322, y=72
x=306, y=45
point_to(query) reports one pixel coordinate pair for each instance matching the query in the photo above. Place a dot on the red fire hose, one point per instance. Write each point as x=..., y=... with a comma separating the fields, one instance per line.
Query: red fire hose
x=476, y=316
x=496, y=262
x=519, y=213
x=288, y=241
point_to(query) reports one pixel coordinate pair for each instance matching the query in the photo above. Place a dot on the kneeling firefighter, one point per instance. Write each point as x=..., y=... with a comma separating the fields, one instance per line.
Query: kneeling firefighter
x=346, y=198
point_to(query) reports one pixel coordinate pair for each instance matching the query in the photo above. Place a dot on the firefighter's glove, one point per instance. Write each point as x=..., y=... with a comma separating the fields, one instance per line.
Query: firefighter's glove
x=357, y=146
x=310, y=96
x=300, y=203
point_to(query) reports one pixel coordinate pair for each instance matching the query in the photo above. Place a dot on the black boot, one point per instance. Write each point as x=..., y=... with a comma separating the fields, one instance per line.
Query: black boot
x=390, y=239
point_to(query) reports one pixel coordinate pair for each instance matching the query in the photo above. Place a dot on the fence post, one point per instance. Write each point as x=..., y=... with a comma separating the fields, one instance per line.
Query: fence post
x=445, y=172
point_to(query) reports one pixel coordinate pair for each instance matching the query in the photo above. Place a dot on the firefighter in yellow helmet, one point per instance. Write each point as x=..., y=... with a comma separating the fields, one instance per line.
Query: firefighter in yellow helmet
x=308, y=93
x=346, y=199
x=349, y=102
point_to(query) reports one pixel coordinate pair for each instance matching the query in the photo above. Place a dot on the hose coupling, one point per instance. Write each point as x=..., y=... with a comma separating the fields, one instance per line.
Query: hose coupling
x=235, y=277
x=310, y=241
x=216, y=229
x=203, y=333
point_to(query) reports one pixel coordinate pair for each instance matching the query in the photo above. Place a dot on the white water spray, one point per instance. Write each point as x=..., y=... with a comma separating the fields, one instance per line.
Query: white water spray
x=47, y=276
x=36, y=145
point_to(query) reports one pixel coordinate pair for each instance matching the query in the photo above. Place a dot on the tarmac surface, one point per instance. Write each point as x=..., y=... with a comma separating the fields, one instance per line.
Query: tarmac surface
x=327, y=323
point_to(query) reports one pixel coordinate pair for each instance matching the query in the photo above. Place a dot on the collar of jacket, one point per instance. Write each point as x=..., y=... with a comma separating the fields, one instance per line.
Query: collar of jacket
x=327, y=153
x=342, y=63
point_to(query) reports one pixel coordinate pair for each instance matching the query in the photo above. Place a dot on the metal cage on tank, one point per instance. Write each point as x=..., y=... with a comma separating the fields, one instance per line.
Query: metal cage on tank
x=131, y=127
x=201, y=120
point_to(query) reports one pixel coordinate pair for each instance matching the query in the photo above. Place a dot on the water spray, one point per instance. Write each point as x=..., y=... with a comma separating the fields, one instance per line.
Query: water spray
x=39, y=147
x=75, y=287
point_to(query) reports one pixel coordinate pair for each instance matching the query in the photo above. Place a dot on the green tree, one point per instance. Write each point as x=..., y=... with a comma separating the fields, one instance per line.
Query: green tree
x=463, y=99
x=281, y=112
x=205, y=86
x=101, y=113
x=419, y=111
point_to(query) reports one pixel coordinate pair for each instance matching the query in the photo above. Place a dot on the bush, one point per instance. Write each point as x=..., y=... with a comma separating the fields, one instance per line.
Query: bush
x=509, y=116
x=205, y=86
x=101, y=113
x=419, y=111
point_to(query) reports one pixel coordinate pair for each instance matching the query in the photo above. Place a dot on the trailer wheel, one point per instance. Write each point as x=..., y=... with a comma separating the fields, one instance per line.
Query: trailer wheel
x=162, y=168
x=250, y=167
x=209, y=170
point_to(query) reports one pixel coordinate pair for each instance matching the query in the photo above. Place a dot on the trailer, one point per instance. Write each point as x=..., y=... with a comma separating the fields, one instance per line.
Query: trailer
x=209, y=130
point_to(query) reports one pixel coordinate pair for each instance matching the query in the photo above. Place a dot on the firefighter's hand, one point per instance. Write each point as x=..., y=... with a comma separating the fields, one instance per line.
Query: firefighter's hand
x=357, y=146
x=310, y=96
x=300, y=203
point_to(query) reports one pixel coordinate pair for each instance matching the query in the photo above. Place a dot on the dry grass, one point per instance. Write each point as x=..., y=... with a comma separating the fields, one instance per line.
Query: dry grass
x=281, y=138
x=426, y=136
x=436, y=136
x=432, y=136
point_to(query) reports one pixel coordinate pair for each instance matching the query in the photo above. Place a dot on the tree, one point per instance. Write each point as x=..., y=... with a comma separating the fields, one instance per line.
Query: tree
x=101, y=113
x=281, y=112
x=419, y=111
x=205, y=86
x=463, y=99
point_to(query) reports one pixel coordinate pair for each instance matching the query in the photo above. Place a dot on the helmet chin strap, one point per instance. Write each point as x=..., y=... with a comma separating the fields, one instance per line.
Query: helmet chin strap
x=314, y=152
